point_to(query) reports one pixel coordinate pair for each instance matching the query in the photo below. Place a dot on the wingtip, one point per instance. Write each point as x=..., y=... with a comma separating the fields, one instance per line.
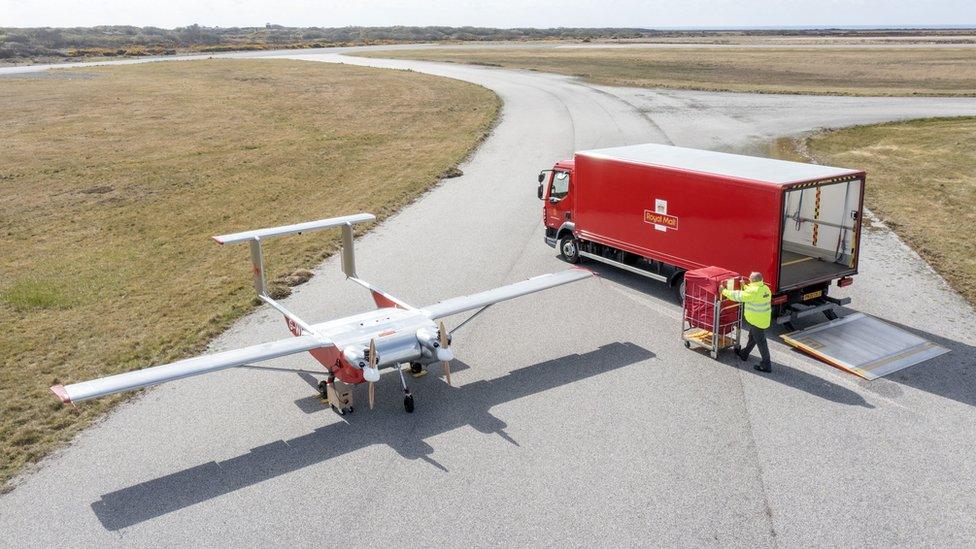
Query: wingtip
x=62, y=394
x=585, y=270
x=217, y=239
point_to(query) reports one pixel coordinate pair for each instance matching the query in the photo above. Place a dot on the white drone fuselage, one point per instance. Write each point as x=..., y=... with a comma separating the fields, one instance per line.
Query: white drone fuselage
x=401, y=336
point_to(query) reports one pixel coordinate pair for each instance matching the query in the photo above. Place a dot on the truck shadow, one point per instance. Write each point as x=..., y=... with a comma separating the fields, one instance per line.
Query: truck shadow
x=785, y=375
x=440, y=408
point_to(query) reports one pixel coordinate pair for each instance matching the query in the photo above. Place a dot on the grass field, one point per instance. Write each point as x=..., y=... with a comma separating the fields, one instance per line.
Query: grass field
x=112, y=181
x=845, y=71
x=921, y=182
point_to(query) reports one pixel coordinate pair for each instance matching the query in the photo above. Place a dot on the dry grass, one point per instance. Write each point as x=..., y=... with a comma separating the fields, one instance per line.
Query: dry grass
x=113, y=179
x=845, y=71
x=921, y=182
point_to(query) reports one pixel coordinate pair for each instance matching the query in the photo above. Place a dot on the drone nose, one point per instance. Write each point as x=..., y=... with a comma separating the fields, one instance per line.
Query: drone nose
x=445, y=354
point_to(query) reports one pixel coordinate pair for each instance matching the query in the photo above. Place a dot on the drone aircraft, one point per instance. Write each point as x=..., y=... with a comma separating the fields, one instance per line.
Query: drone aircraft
x=352, y=349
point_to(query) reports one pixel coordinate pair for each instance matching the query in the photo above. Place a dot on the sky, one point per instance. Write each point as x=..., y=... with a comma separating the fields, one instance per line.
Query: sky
x=487, y=13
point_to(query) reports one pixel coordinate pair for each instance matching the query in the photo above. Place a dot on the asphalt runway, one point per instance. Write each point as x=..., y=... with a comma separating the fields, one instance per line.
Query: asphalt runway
x=576, y=417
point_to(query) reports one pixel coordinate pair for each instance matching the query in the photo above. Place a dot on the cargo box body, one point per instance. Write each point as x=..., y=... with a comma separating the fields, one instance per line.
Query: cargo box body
x=798, y=224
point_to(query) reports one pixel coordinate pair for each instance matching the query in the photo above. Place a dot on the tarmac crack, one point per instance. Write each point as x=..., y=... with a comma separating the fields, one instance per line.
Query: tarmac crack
x=753, y=448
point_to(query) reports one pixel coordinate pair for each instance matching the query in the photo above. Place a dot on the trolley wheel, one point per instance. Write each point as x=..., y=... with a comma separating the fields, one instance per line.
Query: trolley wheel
x=340, y=411
x=569, y=249
x=687, y=345
x=323, y=389
x=830, y=314
x=737, y=349
x=408, y=404
x=714, y=354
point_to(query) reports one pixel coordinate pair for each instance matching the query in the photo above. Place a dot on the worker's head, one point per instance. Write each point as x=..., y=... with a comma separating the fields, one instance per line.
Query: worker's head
x=755, y=277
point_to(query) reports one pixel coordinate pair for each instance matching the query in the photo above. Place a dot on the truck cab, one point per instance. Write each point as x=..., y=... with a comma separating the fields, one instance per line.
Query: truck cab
x=556, y=192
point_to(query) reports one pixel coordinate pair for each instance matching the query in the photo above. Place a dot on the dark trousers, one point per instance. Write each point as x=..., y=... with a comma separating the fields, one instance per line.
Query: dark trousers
x=757, y=336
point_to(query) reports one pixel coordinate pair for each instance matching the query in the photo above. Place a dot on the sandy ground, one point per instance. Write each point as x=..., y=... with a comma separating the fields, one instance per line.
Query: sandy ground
x=577, y=417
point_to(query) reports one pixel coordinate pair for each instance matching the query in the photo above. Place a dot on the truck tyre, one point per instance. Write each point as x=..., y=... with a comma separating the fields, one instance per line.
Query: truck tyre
x=679, y=289
x=569, y=249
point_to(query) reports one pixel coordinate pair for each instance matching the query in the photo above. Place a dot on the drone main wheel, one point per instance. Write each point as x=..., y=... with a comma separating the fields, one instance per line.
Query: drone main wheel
x=408, y=403
x=416, y=367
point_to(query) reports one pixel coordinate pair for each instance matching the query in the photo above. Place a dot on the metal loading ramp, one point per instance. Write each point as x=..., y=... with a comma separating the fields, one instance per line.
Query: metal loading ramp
x=864, y=345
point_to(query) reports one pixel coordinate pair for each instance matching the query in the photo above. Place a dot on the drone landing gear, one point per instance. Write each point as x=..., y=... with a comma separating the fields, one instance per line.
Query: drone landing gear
x=341, y=402
x=417, y=370
x=407, y=397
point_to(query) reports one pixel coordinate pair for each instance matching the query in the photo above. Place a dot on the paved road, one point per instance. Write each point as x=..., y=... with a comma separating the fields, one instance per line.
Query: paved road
x=576, y=417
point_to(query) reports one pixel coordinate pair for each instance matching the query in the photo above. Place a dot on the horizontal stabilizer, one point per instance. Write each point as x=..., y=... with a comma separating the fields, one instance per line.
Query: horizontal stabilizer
x=475, y=301
x=146, y=377
x=296, y=228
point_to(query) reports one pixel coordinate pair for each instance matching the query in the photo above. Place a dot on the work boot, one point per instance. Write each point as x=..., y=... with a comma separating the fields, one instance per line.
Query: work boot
x=742, y=356
x=764, y=368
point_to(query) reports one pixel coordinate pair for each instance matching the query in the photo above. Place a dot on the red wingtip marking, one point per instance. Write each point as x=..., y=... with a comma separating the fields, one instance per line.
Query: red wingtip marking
x=591, y=271
x=61, y=393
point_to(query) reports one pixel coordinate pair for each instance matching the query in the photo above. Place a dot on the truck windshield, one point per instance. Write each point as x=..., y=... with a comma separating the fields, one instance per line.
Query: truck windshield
x=560, y=185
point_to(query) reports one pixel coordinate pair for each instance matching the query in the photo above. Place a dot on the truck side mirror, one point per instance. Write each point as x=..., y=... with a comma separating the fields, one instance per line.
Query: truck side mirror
x=540, y=191
x=542, y=177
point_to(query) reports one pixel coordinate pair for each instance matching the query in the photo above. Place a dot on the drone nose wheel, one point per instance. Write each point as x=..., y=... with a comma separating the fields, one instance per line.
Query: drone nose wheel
x=407, y=397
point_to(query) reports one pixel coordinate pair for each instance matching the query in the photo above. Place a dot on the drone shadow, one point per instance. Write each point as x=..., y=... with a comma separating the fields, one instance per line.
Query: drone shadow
x=440, y=408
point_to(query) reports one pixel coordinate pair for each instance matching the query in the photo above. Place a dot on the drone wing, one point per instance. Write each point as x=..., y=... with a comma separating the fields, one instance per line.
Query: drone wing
x=138, y=379
x=483, y=299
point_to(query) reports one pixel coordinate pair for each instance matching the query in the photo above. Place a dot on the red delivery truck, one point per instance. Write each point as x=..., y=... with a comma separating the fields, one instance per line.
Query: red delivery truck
x=657, y=211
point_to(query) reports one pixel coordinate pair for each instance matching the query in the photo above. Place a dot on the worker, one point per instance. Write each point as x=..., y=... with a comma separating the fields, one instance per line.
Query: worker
x=756, y=299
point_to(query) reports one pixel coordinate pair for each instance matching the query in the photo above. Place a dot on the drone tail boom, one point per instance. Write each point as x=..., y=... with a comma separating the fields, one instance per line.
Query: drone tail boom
x=381, y=298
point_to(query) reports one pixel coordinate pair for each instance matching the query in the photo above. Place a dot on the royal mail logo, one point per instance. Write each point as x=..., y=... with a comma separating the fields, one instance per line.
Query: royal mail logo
x=661, y=222
x=293, y=326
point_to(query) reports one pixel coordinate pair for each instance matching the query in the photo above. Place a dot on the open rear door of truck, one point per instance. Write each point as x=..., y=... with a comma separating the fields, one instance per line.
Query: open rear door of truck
x=821, y=231
x=864, y=345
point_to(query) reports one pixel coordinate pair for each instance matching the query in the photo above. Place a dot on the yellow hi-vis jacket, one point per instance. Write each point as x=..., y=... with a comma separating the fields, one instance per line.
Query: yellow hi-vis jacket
x=755, y=298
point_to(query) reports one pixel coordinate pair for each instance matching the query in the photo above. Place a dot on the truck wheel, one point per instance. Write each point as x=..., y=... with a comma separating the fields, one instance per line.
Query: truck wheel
x=569, y=249
x=679, y=290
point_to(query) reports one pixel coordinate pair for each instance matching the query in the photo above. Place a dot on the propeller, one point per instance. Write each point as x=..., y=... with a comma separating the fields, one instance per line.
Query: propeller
x=444, y=353
x=372, y=373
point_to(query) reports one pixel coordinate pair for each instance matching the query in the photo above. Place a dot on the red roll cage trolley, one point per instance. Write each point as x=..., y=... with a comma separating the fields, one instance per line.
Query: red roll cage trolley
x=709, y=320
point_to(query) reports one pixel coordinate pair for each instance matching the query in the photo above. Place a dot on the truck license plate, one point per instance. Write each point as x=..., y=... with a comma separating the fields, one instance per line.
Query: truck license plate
x=812, y=295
